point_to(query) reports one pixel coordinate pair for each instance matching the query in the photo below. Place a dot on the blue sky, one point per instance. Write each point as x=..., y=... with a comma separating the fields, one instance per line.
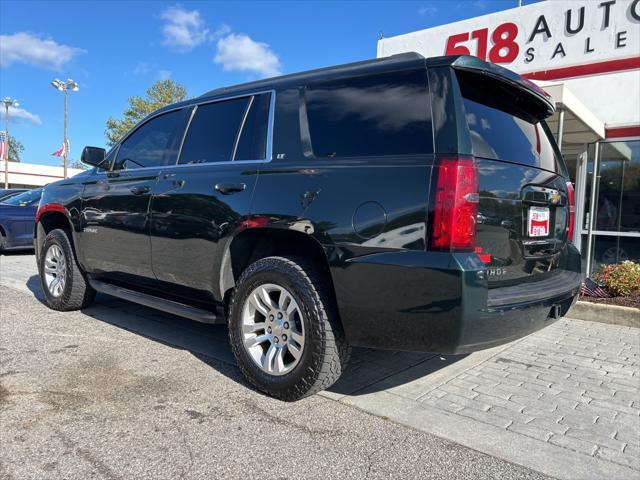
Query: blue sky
x=115, y=49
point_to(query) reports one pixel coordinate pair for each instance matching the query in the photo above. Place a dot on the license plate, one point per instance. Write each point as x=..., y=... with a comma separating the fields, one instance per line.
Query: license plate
x=538, y=221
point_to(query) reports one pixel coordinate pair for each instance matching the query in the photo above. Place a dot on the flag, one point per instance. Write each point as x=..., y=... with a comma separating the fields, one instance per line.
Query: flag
x=4, y=146
x=592, y=289
x=60, y=152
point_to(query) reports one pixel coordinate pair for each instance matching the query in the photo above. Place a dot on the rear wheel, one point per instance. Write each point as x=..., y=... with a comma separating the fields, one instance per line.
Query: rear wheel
x=284, y=329
x=64, y=285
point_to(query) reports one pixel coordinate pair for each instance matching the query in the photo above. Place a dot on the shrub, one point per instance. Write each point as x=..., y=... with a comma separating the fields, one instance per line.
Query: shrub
x=620, y=279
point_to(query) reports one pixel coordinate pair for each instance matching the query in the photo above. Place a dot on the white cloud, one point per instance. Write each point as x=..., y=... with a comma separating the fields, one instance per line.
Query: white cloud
x=35, y=50
x=141, y=68
x=428, y=10
x=221, y=31
x=164, y=74
x=183, y=29
x=238, y=52
x=22, y=116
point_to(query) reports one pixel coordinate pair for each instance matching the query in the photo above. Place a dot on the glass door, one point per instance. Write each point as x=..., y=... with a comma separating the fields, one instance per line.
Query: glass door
x=615, y=231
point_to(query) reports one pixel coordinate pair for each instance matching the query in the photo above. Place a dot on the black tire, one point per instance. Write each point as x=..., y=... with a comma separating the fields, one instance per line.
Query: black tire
x=77, y=293
x=326, y=352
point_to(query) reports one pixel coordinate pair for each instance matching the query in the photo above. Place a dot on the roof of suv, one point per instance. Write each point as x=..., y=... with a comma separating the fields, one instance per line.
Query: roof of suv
x=394, y=62
x=399, y=61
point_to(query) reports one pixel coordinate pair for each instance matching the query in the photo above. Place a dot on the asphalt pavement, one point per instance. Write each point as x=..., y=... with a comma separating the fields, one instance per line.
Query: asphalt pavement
x=115, y=392
x=123, y=391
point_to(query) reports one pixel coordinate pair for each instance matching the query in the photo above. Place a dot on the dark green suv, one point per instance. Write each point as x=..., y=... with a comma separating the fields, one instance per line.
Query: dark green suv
x=400, y=203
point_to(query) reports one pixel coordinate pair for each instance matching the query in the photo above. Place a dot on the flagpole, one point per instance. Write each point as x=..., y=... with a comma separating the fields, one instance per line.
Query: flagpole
x=7, y=102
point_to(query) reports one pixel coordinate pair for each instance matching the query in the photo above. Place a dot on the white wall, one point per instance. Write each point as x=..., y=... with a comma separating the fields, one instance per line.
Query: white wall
x=32, y=174
x=613, y=97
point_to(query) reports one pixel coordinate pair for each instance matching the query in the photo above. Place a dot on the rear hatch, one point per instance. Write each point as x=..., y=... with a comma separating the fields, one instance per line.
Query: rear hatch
x=523, y=209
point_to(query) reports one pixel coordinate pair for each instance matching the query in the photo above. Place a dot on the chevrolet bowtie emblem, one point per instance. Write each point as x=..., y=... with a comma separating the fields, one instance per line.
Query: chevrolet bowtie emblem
x=554, y=197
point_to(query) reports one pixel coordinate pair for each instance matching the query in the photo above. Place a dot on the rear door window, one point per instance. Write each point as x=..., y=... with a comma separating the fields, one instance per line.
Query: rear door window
x=213, y=131
x=252, y=144
x=384, y=114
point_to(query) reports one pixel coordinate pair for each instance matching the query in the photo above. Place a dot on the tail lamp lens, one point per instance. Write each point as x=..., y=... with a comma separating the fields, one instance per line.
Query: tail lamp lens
x=456, y=205
x=571, y=194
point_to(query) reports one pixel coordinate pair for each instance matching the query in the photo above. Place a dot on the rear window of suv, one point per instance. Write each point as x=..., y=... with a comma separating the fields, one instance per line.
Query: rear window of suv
x=385, y=114
x=499, y=131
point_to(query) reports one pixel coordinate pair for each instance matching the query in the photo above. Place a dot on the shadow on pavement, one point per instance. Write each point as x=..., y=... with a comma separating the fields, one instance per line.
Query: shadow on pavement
x=16, y=253
x=367, y=367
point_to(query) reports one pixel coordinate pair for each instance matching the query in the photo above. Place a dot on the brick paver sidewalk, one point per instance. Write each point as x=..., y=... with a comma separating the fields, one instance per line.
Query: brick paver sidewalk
x=574, y=385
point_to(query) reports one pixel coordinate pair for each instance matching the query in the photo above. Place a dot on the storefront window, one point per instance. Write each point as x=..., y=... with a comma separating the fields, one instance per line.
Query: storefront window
x=616, y=230
x=608, y=249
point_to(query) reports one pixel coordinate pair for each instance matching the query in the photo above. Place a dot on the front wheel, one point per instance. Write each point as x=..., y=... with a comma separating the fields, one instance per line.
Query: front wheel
x=64, y=285
x=284, y=329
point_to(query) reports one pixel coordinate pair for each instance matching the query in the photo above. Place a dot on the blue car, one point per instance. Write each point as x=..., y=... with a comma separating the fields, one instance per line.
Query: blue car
x=6, y=193
x=17, y=217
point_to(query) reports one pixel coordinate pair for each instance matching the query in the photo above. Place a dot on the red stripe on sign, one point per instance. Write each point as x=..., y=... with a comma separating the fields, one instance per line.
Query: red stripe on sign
x=582, y=70
x=621, y=132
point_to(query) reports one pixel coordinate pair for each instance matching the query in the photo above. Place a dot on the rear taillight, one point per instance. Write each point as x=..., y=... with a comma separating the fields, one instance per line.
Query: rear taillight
x=571, y=194
x=456, y=205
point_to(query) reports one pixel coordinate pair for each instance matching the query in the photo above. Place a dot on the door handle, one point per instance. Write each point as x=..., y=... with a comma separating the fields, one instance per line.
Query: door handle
x=140, y=190
x=229, y=188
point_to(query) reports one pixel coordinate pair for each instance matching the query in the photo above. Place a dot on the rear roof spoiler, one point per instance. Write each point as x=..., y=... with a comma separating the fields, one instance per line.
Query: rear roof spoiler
x=479, y=67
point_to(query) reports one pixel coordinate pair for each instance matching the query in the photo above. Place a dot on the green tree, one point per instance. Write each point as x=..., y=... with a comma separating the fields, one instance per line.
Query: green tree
x=160, y=94
x=15, y=149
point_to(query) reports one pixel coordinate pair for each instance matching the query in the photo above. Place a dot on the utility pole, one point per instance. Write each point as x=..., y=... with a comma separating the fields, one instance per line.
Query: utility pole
x=64, y=87
x=7, y=102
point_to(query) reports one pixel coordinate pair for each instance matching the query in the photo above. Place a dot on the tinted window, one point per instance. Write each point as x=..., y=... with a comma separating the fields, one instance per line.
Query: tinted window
x=385, y=114
x=499, y=135
x=155, y=143
x=253, y=139
x=213, y=130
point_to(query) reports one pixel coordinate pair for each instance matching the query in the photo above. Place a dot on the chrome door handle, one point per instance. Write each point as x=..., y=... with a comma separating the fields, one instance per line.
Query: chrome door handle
x=229, y=188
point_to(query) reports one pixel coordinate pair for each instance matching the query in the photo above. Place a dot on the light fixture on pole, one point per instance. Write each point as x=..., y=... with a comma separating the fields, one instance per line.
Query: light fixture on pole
x=7, y=102
x=64, y=87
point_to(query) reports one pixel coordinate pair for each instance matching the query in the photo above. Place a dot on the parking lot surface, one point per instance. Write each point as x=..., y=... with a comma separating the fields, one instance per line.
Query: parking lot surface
x=122, y=391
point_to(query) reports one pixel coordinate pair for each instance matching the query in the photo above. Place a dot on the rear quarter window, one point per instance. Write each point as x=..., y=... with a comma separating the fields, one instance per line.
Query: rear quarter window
x=384, y=114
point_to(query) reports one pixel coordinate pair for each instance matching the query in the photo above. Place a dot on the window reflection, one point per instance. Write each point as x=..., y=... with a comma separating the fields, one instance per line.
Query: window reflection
x=383, y=115
x=618, y=187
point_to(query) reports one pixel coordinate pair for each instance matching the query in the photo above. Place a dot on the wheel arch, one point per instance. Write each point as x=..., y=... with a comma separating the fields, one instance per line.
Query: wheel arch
x=256, y=243
x=49, y=220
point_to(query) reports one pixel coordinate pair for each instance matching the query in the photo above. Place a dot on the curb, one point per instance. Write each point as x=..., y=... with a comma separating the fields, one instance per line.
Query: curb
x=611, y=314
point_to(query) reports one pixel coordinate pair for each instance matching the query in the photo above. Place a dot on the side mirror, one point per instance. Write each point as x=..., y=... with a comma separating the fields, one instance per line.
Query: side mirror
x=93, y=156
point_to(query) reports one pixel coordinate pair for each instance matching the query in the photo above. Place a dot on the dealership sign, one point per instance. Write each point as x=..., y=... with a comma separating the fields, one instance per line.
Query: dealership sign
x=539, y=39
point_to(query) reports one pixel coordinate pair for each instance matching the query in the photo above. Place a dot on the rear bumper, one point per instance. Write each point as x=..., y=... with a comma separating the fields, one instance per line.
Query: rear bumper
x=439, y=302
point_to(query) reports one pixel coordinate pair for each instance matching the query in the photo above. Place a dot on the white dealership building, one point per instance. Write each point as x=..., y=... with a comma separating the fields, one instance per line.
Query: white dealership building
x=31, y=175
x=586, y=54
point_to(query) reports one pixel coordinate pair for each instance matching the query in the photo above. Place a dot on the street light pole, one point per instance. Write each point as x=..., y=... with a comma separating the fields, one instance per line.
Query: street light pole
x=6, y=139
x=66, y=142
x=64, y=87
x=7, y=102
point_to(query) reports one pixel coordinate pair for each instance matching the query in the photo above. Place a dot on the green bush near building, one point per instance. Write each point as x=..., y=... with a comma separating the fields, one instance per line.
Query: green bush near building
x=620, y=279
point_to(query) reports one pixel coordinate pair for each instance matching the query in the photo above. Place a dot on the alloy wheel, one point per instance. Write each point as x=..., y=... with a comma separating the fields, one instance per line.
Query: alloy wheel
x=272, y=329
x=55, y=270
